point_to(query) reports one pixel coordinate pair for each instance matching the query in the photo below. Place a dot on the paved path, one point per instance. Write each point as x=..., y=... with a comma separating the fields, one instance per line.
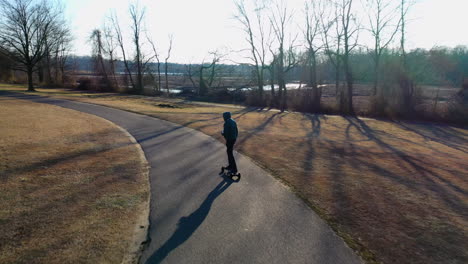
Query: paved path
x=199, y=217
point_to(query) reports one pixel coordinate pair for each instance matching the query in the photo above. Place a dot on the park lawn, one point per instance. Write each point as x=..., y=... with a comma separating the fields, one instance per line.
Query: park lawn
x=73, y=186
x=397, y=192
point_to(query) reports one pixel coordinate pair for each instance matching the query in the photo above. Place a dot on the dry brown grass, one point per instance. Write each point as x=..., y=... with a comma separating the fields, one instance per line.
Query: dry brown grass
x=72, y=186
x=397, y=192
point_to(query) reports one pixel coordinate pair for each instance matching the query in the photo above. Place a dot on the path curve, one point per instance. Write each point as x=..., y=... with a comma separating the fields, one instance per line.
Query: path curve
x=199, y=217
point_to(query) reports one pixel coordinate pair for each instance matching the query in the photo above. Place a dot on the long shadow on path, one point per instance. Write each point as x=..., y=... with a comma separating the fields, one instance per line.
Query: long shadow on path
x=187, y=225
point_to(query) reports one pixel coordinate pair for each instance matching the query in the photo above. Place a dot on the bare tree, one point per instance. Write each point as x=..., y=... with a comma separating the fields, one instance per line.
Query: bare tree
x=57, y=48
x=207, y=73
x=58, y=30
x=158, y=64
x=120, y=41
x=350, y=37
x=404, y=8
x=313, y=13
x=405, y=81
x=256, y=38
x=286, y=57
x=24, y=28
x=190, y=73
x=332, y=37
x=62, y=54
x=382, y=15
x=403, y=12
x=98, y=50
x=171, y=38
x=137, y=15
x=109, y=47
x=271, y=69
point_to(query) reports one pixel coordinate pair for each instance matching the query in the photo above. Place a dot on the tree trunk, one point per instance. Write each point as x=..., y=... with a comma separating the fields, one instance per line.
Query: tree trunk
x=56, y=71
x=350, y=94
x=165, y=75
x=104, y=71
x=203, y=87
x=316, y=95
x=140, y=81
x=339, y=92
x=272, y=85
x=282, y=92
x=349, y=85
x=402, y=41
x=49, y=70
x=112, y=69
x=62, y=74
x=30, y=79
x=376, y=75
x=139, y=89
x=159, y=76
x=374, y=88
x=260, y=86
x=284, y=105
x=281, y=79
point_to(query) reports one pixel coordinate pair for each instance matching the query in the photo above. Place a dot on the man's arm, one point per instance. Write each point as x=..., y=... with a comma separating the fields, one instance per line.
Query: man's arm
x=225, y=130
x=236, y=132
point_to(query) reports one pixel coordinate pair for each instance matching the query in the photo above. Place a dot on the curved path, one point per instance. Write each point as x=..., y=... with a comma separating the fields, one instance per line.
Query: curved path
x=199, y=217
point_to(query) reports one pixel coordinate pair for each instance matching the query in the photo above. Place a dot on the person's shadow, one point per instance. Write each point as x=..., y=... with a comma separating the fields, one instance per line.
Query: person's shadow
x=188, y=224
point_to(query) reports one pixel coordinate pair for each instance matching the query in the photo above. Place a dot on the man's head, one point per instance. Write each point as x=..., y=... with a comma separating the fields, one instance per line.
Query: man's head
x=226, y=115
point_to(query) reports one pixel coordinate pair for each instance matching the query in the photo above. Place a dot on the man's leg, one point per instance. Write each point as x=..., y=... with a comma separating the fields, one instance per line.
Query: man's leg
x=229, y=148
x=232, y=161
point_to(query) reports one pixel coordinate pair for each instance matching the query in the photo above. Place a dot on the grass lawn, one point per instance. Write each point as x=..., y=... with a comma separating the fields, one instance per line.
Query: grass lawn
x=397, y=192
x=73, y=186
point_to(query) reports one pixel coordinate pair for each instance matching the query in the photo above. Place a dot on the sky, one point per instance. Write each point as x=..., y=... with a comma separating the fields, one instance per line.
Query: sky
x=201, y=26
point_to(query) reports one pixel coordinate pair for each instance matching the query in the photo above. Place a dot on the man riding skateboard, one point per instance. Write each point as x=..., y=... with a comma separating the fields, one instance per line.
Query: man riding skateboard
x=230, y=134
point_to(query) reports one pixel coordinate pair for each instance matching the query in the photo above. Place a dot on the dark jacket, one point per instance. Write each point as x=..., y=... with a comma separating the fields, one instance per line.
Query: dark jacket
x=230, y=127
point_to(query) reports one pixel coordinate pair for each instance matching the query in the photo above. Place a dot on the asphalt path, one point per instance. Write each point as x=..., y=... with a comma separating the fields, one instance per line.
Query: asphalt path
x=198, y=216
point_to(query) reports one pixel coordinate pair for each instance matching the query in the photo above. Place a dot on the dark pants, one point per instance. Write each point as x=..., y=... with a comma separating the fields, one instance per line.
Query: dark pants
x=232, y=162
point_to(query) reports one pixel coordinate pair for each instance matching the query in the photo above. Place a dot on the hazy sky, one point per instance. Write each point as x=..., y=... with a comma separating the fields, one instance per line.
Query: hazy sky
x=200, y=26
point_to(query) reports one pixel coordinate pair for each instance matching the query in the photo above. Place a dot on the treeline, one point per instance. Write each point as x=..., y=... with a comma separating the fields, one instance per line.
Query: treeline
x=439, y=66
x=85, y=64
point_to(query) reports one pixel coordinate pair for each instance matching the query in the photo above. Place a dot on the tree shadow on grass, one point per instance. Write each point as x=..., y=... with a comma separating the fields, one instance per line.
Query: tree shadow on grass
x=338, y=176
x=235, y=115
x=60, y=204
x=425, y=172
x=425, y=229
x=63, y=157
x=442, y=134
x=240, y=113
x=312, y=136
x=257, y=129
x=187, y=225
x=350, y=198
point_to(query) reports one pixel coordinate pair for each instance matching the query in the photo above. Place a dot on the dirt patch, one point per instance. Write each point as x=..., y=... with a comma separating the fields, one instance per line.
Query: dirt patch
x=73, y=186
x=166, y=106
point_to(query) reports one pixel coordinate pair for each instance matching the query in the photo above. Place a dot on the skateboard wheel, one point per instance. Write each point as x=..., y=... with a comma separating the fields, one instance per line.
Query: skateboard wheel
x=235, y=177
